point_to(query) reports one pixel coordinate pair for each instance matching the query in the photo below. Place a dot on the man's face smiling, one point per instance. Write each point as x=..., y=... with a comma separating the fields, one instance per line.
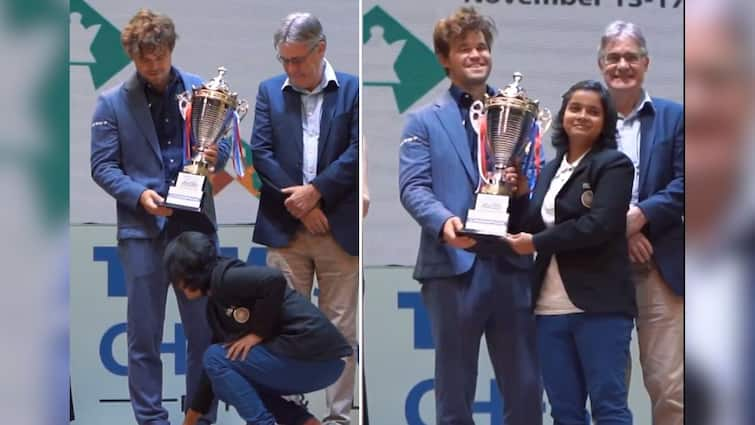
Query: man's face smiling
x=468, y=62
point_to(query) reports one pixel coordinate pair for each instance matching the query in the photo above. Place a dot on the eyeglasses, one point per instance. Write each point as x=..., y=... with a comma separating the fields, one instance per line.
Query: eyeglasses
x=630, y=58
x=296, y=60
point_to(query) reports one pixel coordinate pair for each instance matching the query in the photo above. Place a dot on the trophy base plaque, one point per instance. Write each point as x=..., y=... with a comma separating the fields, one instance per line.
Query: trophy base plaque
x=188, y=192
x=489, y=219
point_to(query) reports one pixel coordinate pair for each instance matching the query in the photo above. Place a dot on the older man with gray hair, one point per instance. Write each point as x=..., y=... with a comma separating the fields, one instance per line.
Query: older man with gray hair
x=651, y=133
x=305, y=147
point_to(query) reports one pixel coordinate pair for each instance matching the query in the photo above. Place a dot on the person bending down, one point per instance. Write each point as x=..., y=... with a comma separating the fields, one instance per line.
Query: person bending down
x=268, y=341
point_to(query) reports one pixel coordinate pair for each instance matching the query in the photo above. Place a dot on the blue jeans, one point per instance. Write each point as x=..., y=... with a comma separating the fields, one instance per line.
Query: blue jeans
x=585, y=354
x=254, y=385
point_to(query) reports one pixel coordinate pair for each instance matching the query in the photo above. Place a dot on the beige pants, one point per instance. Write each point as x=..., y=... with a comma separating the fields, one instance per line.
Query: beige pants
x=308, y=256
x=660, y=330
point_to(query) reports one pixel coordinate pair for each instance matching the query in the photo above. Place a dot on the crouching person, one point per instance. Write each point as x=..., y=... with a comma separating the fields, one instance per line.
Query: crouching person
x=268, y=341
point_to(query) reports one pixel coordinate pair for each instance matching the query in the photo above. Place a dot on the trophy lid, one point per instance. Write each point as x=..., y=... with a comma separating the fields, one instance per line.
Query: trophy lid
x=218, y=83
x=514, y=89
x=217, y=88
x=513, y=93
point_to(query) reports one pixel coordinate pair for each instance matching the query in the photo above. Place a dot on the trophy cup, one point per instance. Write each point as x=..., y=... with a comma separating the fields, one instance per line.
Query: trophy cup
x=210, y=112
x=505, y=123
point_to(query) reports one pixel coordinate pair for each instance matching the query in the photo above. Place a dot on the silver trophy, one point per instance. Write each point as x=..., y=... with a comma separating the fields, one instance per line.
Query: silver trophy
x=210, y=113
x=504, y=123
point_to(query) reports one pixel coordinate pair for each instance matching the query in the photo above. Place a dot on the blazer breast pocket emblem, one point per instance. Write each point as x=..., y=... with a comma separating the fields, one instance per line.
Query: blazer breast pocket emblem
x=587, y=198
x=239, y=314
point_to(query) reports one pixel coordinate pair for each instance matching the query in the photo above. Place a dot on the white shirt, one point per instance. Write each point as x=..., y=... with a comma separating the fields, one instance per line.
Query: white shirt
x=553, y=298
x=564, y=172
x=629, y=142
x=311, y=113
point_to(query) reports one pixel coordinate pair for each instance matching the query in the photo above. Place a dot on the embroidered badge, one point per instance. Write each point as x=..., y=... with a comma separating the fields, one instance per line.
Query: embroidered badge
x=587, y=198
x=239, y=314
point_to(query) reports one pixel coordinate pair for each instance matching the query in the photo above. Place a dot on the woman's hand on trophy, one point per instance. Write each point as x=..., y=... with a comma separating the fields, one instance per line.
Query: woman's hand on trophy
x=450, y=227
x=521, y=243
x=152, y=202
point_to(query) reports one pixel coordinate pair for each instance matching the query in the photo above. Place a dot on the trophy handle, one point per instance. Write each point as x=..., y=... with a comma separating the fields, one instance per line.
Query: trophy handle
x=184, y=100
x=477, y=119
x=545, y=119
x=242, y=109
x=476, y=114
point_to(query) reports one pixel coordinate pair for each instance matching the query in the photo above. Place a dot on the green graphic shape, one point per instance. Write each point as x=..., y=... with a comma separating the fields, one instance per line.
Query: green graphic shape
x=256, y=180
x=47, y=167
x=416, y=66
x=106, y=47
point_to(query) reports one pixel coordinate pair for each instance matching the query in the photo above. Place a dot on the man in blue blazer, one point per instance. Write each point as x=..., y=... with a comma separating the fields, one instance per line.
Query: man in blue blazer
x=137, y=150
x=467, y=294
x=651, y=133
x=305, y=149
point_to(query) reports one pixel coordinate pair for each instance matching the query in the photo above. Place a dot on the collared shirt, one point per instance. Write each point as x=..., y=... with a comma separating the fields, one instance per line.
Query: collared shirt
x=166, y=117
x=553, y=298
x=311, y=114
x=464, y=101
x=564, y=172
x=629, y=141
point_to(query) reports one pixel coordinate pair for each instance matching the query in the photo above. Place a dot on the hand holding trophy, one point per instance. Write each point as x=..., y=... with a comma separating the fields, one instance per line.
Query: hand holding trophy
x=210, y=113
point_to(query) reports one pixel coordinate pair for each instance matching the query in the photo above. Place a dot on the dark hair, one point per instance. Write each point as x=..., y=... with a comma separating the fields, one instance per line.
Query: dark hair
x=190, y=258
x=464, y=20
x=607, y=137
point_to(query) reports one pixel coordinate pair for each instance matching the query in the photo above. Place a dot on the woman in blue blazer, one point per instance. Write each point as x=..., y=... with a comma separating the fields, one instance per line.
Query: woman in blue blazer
x=583, y=297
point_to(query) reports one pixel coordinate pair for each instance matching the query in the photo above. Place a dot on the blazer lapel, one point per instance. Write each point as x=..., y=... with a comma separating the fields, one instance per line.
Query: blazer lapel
x=139, y=110
x=448, y=115
x=546, y=176
x=187, y=86
x=330, y=95
x=581, y=167
x=292, y=120
x=647, y=140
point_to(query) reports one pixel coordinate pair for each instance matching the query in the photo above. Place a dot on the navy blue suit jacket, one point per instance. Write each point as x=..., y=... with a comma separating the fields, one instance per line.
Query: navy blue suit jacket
x=126, y=159
x=589, y=235
x=437, y=180
x=661, y=186
x=277, y=154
